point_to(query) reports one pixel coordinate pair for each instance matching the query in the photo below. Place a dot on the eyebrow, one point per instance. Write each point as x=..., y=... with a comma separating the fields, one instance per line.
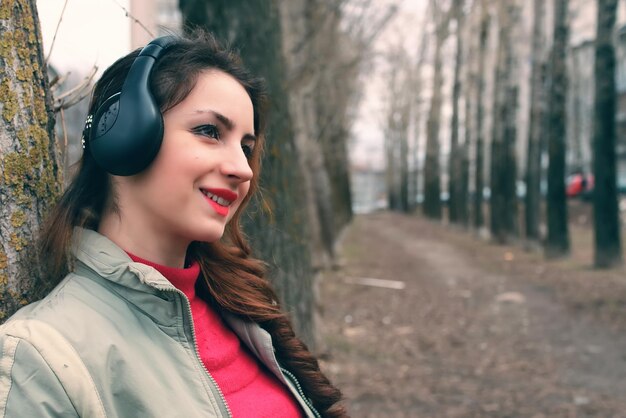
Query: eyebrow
x=228, y=123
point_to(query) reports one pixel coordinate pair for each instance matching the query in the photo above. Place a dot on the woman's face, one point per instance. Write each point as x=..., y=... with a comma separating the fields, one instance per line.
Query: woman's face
x=201, y=173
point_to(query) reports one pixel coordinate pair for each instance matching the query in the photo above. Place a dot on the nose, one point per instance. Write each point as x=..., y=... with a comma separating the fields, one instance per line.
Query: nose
x=236, y=166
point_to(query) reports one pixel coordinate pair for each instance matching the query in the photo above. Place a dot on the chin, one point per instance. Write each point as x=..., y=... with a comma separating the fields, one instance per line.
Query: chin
x=212, y=235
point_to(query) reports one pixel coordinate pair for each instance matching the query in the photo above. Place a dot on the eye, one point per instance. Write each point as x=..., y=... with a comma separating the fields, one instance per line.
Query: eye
x=208, y=130
x=248, y=148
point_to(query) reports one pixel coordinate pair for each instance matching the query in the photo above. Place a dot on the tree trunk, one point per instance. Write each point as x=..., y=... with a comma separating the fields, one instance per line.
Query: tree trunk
x=393, y=156
x=509, y=169
x=455, y=168
x=334, y=96
x=464, y=180
x=390, y=173
x=468, y=92
x=397, y=130
x=279, y=227
x=557, y=242
x=404, y=158
x=537, y=109
x=479, y=220
x=497, y=198
x=503, y=201
x=31, y=179
x=608, y=251
x=299, y=27
x=417, y=118
x=432, y=187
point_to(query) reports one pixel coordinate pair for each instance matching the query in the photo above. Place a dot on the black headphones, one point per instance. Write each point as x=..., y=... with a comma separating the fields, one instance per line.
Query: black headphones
x=124, y=134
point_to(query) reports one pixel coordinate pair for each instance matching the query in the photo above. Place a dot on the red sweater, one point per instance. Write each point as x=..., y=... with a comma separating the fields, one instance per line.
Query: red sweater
x=249, y=388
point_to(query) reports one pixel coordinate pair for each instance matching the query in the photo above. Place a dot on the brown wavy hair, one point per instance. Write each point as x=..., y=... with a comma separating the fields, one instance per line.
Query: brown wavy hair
x=233, y=281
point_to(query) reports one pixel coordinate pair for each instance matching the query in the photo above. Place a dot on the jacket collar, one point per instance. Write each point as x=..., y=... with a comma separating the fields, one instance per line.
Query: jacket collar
x=97, y=255
x=102, y=256
x=99, y=259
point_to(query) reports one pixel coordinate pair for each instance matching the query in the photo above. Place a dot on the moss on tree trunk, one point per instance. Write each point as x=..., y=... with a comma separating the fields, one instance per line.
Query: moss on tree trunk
x=30, y=177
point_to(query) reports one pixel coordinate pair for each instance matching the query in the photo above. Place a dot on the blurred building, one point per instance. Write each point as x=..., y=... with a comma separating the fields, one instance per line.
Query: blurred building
x=581, y=105
x=369, y=189
x=159, y=17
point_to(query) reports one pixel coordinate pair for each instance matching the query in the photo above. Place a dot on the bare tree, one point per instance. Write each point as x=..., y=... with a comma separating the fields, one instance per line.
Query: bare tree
x=535, y=131
x=479, y=184
x=432, y=176
x=398, y=112
x=608, y=250
x=28, y=157
x=557, y=242
x=299, y=23
x=455, y=165
x=337, y=55
x=468, y=94
x=334, y=95
x=503, y=201
x=416, y=86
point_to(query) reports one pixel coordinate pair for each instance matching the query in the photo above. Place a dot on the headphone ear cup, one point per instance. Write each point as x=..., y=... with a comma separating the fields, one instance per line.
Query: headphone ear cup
x=107, y=115
x=127, y=129
x=127, y=133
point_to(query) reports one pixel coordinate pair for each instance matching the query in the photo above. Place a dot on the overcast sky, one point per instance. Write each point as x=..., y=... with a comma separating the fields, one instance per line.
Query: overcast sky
x=92, y=32
x=404, y=28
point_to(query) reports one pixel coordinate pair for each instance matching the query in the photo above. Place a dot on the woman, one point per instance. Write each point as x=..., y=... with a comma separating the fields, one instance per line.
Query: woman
x=162, y=311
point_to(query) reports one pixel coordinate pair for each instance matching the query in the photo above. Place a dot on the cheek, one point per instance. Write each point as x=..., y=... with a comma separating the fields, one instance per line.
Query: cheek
x=177, y=157
x=169, y=178
x=245, y=189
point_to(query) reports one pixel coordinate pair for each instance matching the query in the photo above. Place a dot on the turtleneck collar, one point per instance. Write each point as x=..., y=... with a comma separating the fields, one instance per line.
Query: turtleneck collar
x=183, y=279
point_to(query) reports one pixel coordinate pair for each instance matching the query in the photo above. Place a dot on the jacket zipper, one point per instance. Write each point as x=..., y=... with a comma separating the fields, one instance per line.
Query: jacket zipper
x=195, y=347
x=307, y=401
x=219, y=391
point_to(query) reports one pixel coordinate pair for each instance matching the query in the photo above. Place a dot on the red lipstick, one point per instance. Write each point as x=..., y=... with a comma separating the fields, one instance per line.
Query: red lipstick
x=219, y=199
x=223, y=193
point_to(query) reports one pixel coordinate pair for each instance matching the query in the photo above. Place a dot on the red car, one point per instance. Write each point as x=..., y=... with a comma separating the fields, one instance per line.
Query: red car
x=579, y=185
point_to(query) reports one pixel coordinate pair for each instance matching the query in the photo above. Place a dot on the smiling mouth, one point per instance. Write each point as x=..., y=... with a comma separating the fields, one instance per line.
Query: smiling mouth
x=220, y=199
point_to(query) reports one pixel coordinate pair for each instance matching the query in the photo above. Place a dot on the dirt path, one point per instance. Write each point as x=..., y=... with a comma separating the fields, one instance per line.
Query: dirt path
x=478, y=330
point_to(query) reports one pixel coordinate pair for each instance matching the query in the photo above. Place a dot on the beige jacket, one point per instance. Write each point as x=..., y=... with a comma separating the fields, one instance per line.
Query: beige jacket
x=115, y=339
